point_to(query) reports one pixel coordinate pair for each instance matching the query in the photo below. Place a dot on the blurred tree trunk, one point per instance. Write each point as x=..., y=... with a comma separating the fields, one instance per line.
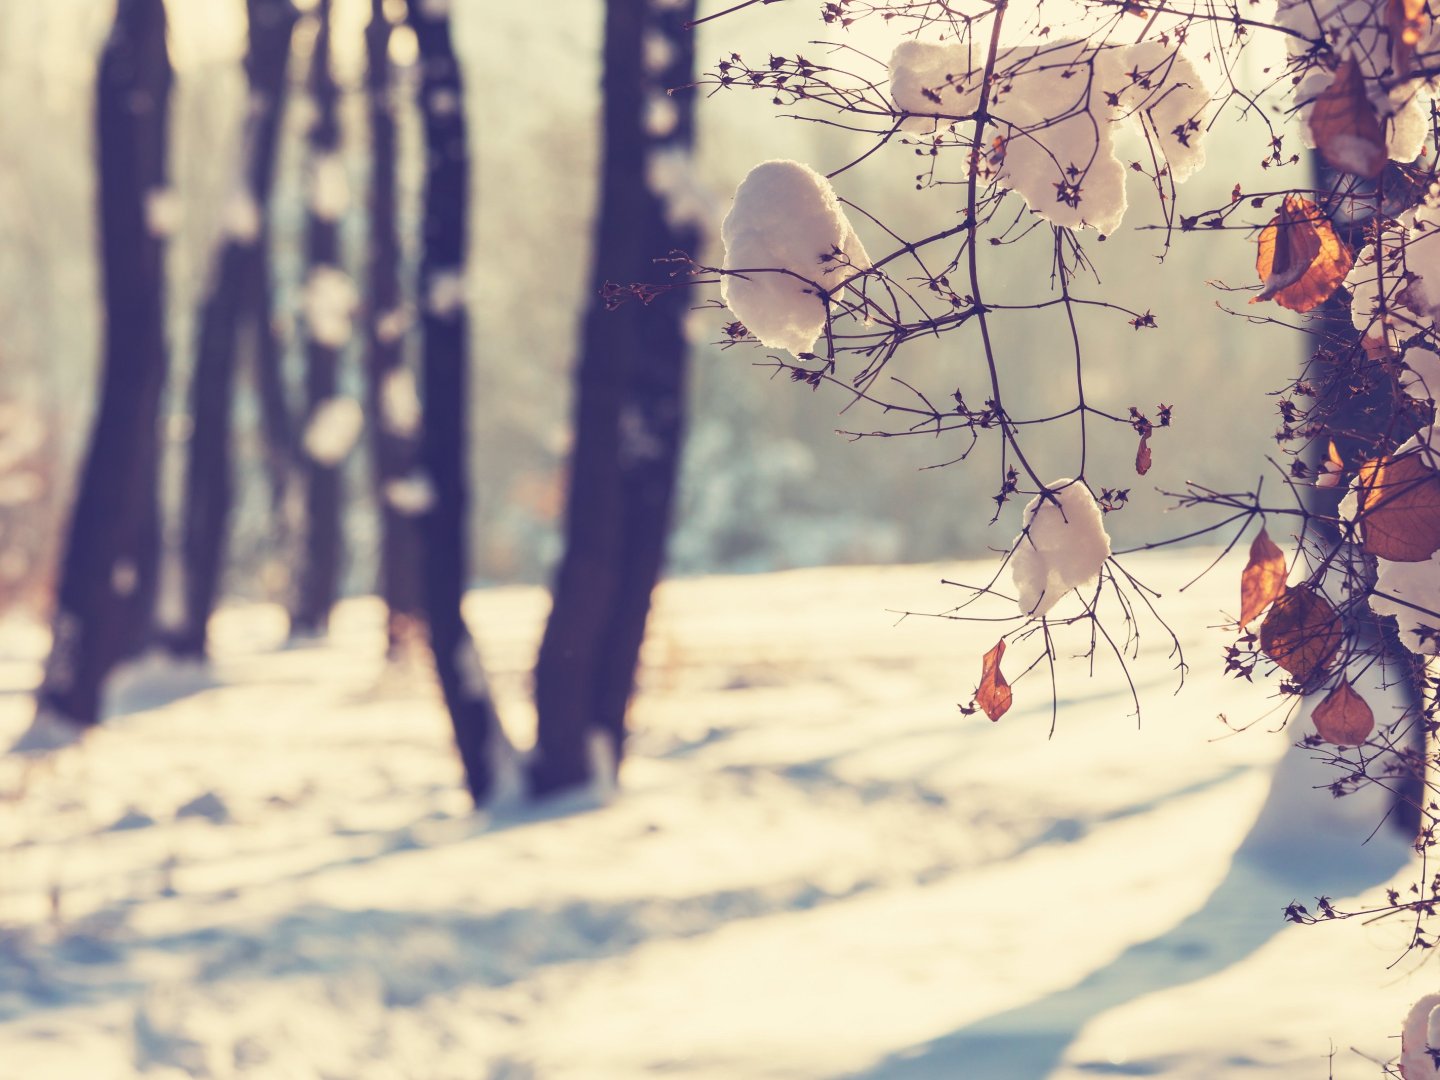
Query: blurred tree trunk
x=629, y=412
x=444, y=378
x=108, y=577
x=1362, y=414
x=390, y=386
x=236, y=308
x=320, y=556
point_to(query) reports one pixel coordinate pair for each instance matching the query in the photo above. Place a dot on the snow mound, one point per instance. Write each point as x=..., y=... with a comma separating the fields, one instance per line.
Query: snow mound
x=329, y=301
x=789, y=235
x=1058, y=108
x=1062, y=546
x=1421, y=1031
x=334, y=426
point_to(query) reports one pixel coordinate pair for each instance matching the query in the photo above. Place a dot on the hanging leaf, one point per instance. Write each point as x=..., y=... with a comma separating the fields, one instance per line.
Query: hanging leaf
x=994, y=693
x=1405, y=21
x=1299, y=258
x=1263, y=579
x=1301, y=633
x=1400, y=508
x=1345, y=127
x=1343, y=718
x=1143, y=456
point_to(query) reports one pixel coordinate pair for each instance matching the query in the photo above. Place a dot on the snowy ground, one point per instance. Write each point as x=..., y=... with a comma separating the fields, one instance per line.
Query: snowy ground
x=817, y=867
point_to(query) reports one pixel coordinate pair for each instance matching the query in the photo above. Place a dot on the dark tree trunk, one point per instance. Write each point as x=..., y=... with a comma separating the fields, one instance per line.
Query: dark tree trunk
x=444, y=392
x=236, y=308
x=392, y=434
x=320, y=558
x=629, y=412
x=108, y=577
x=1361, y=408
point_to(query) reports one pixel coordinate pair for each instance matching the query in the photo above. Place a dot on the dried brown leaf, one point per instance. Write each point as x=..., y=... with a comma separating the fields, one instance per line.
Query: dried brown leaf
x=994, y=694
x=1299, y=257
x=1263, y=579
x=1343, y=718
x=1400, y=508
x=1345, y=126
x=1301, y=633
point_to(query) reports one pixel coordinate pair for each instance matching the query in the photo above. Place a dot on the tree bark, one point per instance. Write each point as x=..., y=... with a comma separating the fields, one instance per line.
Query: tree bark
x=236, y=308
x=320, y=559
x=629, y=412
x=392, y=435
x=108, y=576
x=444, y=377
x=1361, y=412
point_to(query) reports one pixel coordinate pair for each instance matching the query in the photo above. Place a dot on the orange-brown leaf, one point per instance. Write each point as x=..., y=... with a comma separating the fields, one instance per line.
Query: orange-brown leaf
x=1345, y=127
x=1405, y=20
x=1400, y=508
x=1299, y=257
x=994, y=693
x=1143, y=457
x=1263, y=579
x=1301, y=633
x=1343, y=718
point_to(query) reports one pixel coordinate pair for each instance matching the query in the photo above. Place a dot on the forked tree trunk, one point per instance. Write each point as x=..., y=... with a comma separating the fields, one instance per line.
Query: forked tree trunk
x=444, y=390
x=390, y=385
x=108, y=578
x=630, y=408
x=320, y=555
x=236, y=308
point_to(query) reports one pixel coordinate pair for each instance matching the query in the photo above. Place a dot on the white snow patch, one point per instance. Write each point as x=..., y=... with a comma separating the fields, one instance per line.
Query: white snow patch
x=1057, y=108
x=1063, y=546
x=241, y=217
x=789, y=235
x=390, y=326
x=411, y=495
x=334, y=427
x=688, y=201
x=400, y=410
x=329, y=187
x=329, y=303
x=164, y=211
x=445, y=293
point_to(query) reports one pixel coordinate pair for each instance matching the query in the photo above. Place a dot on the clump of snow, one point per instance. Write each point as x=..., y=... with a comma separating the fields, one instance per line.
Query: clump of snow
x=670, y=172
x=1062, y=546
x=786, y=237
x=241, y=217
x=1356, y=27
x=445, y=293
x=1411, y=592
x=1420, y=1033
x=1422, y=379
x=334, y=427
x=1057, y=108
x=329, y=187
x=163, y=211
x=329, y=301
x=410, y=495
x=390, y=326
x=124, y=576
x=400, y=408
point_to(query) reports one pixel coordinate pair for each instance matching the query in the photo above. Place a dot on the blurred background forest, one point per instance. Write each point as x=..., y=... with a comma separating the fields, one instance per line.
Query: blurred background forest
x=766, y=483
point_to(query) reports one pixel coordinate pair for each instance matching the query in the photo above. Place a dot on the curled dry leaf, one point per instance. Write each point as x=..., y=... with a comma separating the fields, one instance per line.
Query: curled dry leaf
x=1301, y=633
x=1143, y=456
x=1400, y=508
x=1263, y=579
x=1405, y=21
x=1343, y=718
x=1345, y=126
x=1299, y=258
x=994, y=693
